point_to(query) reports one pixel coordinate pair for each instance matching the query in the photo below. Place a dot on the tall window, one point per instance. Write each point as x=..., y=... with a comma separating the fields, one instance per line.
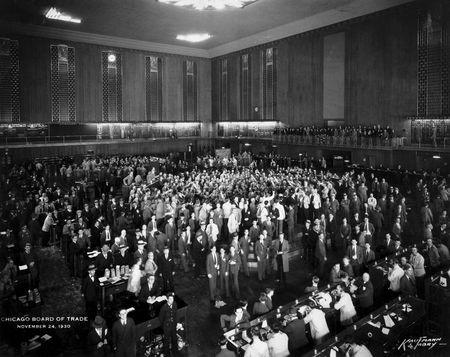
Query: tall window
x=63, y=83
x=153, y=87
x=224, y=89
x=189, y=91
x=268, y=83
x=245, y=87
x=9, y=81
x=112, y=86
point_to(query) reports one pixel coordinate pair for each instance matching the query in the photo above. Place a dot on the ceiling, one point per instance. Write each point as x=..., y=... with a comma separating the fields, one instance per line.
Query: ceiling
x=151, y=21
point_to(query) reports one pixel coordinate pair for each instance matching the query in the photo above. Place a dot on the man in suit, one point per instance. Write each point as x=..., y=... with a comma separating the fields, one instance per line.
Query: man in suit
x=388, y=246
x=236, y=320
x=234, y=264
x=106, y=236
x=244, y=250
x=90, y=292
x=336, y=274
x=183, y=250
x=168, y=319
x=261, y=257
x=124, y=335
x=369, y=256
x=212, y=271
x=417, y=262
x=103, y=261
x=320, y=255
x=171, y=232
x=355, y=253
x=97, y=339
x=407, y=282
x=281, y=248
x=150, y=289
x=166, y=268
x=140, y=253
x=295, y=330
x=365, y=295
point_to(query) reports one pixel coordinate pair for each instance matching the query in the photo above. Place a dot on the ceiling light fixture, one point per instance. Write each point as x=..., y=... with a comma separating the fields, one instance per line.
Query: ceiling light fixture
x=194, y=37
x=209, y=4
x=54, y=14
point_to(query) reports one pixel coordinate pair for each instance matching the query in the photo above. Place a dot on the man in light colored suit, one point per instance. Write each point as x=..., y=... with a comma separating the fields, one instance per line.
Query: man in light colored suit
x=281, y=249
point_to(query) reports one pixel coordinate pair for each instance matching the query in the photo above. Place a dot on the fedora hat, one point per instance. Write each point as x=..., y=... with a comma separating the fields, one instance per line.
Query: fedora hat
x=98, y=322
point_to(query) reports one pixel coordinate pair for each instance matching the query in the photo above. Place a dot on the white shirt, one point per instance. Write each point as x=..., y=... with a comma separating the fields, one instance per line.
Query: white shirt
x=345, y=305
x=372, y=202
x=317, y=323
x=257, y=349
x=394, y=277
x=226, y=207
x=281, y=211
x=278, y=345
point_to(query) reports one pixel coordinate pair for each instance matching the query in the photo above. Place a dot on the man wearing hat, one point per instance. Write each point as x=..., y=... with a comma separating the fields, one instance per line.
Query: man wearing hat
x=89, y=290
x=97, y=339
x=141, y=252
x=123, y=256
x=168, y=319
x=224, y=351
x=166, y=269
x=171, y=231
x=30, y=259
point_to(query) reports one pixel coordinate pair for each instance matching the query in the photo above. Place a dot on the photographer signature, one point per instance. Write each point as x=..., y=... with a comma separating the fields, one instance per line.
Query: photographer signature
x=422, y=342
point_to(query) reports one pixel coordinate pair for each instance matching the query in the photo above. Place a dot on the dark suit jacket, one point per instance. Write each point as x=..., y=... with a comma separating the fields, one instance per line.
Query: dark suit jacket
x=145, y=292
x=296, y=334
x=368, y=257
x=365, y=294
x=320, y=252
x=101, y=263
x=168, y=316
x=93, y=339
x=166, y=266
x=210, y=266
x=359, y=254
x=90, y=289
x=124, y=338
x=407, y=286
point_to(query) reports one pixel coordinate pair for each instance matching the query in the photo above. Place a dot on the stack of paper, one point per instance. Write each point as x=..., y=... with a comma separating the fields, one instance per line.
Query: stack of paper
x=388, y=322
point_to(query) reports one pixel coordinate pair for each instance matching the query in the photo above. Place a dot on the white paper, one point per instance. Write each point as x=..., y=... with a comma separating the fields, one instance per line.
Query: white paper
x=385, y=330
x=388, y=321
x=102, y=279
x=264, y=324
x=332, y=353
x=377, y=325
x=23, y=267
x=46, y=337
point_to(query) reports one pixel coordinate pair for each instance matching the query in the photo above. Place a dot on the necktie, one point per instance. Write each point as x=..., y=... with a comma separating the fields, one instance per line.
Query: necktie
x=215, y=260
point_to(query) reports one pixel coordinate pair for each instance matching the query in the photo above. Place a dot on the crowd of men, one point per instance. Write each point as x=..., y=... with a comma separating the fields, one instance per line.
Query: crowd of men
x=153, y=214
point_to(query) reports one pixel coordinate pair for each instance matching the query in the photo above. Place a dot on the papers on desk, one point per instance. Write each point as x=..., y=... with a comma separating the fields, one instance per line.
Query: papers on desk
x=443, y=282
x=46, y=337
x=385, y=330
x=388, y=322
x=377, y=325
x=407, y=307
x=102, y=279
x=23, y=267
x=33, y=345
